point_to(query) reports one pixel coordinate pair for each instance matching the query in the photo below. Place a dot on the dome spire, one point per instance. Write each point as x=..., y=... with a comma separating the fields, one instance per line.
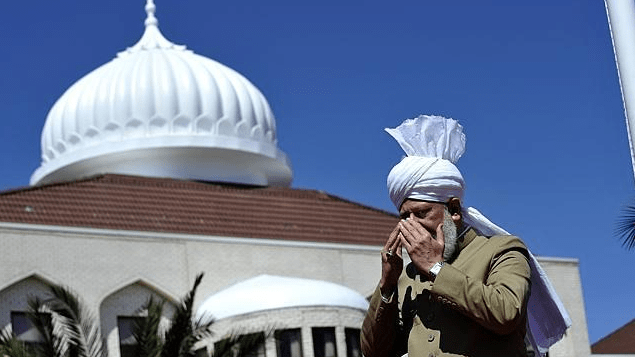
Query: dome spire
x=152, y=38
x=151, y=20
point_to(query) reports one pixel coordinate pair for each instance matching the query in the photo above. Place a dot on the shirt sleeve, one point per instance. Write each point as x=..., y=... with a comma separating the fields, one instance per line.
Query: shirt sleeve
x=497, y=302
x=379, y=328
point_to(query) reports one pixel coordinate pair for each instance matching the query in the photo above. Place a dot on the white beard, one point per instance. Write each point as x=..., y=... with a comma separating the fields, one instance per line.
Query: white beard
x=451, y=243
x=450, y=234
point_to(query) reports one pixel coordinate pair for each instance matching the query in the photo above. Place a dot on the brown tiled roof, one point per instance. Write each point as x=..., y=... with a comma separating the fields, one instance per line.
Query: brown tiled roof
x=177, y=206
x=620, y=341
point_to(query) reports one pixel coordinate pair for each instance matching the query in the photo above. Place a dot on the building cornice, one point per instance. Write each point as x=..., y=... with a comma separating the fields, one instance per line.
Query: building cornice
x=162, y=236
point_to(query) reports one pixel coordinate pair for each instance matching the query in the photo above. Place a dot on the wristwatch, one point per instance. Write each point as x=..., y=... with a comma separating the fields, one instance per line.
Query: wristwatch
x=436, y=268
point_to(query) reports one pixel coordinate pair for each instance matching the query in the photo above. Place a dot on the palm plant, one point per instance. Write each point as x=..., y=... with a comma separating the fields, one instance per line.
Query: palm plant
x=147, y=331
x=626, y=227
x=181, y=335
x=184, y=332
x=51, y=344
x=68, y=330
x=65, y=327
x=76, y=328
x=10, y=346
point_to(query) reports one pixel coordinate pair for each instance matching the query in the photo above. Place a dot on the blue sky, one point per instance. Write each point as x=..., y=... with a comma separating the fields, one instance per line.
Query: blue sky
x=533, y=82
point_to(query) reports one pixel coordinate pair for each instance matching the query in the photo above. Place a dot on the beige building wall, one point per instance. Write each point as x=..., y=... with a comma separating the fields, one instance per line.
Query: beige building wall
x=565, y=278
x=99, y=264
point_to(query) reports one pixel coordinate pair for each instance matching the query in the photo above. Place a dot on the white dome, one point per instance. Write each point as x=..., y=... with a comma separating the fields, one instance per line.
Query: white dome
x=266, y=292
x=158, y=109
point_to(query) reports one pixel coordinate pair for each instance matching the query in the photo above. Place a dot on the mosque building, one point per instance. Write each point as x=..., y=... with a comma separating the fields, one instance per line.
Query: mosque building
x=162, y=164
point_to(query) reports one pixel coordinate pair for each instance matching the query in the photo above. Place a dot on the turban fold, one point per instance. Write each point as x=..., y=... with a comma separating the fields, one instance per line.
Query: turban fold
x=433, y=145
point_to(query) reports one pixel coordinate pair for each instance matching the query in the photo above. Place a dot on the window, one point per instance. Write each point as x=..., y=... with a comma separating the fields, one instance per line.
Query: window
x=352, y=343
x=248, y=345
x=127, y=341
x=25, y=331
x=252, y=345
x=289, y=343
x=324, y=342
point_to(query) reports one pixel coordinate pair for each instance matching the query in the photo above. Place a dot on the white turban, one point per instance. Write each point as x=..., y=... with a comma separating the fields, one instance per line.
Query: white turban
x=434, y=144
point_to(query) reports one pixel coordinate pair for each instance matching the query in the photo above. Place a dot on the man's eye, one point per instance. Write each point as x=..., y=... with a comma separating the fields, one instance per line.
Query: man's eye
x=421, y=214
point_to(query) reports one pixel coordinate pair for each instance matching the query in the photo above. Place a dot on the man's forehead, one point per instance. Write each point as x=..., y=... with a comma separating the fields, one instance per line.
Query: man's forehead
x=411, y=204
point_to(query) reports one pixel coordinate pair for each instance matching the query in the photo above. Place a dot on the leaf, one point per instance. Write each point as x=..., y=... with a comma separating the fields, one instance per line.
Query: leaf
x=40, y=315
x=10, y=346
x=183, y=334
x=73, y=325
x=625, y=228
x=147, y=329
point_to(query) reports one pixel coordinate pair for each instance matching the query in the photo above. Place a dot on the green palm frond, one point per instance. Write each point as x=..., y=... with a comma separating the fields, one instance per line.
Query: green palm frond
x=74, y=324
x=179, y=338
x=147, y=331
x=182, y=334
x=41, y=317
x=625, y=228
x=10, y=346
x=203, y=327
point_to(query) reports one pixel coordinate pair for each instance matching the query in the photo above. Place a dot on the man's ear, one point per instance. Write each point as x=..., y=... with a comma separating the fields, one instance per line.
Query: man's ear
x=454, y=207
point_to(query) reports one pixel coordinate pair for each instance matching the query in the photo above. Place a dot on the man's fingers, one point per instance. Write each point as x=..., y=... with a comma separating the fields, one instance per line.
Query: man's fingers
x=393, y=244
x=396, y=247
x=440, y=235
x=392, y=238
x=409, y=232
x=417, y=227
x=403, y=233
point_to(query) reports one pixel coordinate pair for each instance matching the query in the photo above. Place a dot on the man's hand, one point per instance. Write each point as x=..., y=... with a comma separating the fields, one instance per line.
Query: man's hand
x=391, y=263
x=423, y=248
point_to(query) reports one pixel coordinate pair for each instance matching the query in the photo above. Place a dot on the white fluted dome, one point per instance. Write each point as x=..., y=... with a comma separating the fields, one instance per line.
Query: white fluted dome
x=159, y=109
x=267, y=292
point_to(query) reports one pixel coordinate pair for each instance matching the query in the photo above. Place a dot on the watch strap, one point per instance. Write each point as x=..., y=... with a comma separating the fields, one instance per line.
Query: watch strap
x=436, y=268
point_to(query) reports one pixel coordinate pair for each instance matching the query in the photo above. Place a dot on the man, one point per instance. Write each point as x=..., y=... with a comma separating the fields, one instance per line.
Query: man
x=466, y=290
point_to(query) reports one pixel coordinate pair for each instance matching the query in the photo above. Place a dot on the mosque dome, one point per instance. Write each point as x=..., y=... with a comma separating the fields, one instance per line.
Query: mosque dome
x=158, y=109
x=267, y=292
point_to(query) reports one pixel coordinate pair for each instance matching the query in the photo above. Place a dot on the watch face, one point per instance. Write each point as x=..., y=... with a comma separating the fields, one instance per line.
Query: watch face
x=435, y=269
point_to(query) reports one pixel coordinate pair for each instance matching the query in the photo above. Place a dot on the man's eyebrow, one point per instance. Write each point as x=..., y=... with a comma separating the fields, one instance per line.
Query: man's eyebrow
x=415, y=211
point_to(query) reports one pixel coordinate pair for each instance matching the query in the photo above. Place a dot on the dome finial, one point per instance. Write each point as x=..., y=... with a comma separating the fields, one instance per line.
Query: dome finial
x=151, y=20
x=152, y=37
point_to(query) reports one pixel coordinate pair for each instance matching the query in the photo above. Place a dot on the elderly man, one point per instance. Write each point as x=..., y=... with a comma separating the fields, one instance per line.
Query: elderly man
x=466, y=290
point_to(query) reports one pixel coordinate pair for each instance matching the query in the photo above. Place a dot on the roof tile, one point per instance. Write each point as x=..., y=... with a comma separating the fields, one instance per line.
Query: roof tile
x=178, y=206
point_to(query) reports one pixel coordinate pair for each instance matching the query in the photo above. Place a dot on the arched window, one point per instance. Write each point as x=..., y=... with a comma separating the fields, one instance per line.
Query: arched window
x=118, y=312
x=14, y=306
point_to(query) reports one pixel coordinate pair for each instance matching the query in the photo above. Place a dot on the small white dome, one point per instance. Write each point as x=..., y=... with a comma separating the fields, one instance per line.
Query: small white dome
x=158, y=109
x=266, y=292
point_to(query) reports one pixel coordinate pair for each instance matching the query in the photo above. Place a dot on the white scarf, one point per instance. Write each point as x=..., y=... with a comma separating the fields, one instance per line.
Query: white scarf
x=433, y=145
